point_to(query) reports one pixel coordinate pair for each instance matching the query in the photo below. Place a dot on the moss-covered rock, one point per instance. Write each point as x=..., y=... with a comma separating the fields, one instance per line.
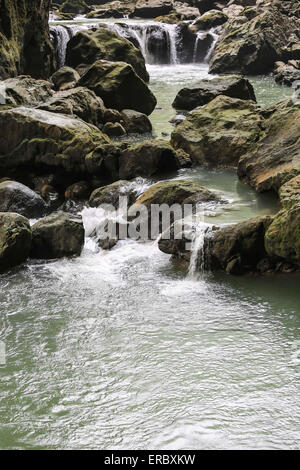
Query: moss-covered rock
x=209, y=20
x=111, y=193
x=80, y=102
x=56, y=236
x=65, y=78
x=253, y=46
x=135, y=122
x=220, y=132
x=275, y=158
x=39, y=139
x=25, y=91
x=119, y=86
x=153, y=8
x=104, y=44
x=74, y=6
x=25, y=46
x=15, y=240
x=282, y=239
x=234, y=86
x=150, y=158
x=289, y=192
x=16, y=197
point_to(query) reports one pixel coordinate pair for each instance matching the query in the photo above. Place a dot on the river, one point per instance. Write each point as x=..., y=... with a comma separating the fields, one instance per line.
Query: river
x=121, y=350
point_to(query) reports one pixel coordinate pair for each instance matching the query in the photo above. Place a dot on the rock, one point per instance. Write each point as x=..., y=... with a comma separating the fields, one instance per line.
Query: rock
x=104, y=44
x=119, y=86
x=24, y=90
x=289, y=193
x=275, y=158
x=205, y=91
x=283, y=236
x=110, y=194
x=25, y=46
x=56, y=236
x=32, y=138
x=74, y=6
x=80, y=102
x=239, y=248
x=153, y=8
x=135, y=122
x=15, y=240
x=220, y=132
x=78, y=191
x=209, y=20
x=103, y=162
x=148, y=158
x=15, y=197
x=287, y=74
x=111, y=115
x=114, y=129
x=65, y=78
x=255, y=45
x=176, y=192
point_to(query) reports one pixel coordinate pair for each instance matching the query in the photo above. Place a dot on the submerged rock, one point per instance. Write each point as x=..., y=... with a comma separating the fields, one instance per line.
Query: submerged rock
x=15, y=197
x=119, y=86
x=150, y=158
x=15, y=240
x=205, y=91
x=80, y=102
x=275, y=158
x=104, y=44
x=220, y=132
x=57, y=235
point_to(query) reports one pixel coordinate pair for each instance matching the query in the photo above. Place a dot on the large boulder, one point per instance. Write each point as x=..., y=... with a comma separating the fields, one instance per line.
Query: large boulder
x=135, y=122
x=209, y=20
x=57, y=235
x=15, y=197
x=25, y=46
x=275, y=158
x=152, y=8
x=283, y=236
x=36, y=139
x=253, y=46
x=287, y=74
x=119, y=86
x=205, y=91
x=15, y=240
x=104, y=44
x=150, y=158
x=220, y=132
x=80, y=102
x=25, y=91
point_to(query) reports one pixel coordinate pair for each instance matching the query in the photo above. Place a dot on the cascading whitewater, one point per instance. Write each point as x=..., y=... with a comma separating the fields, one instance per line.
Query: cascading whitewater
x=198, y=260
x=159, y=43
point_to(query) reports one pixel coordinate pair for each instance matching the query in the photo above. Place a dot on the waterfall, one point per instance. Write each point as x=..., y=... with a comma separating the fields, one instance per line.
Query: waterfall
x=214, y=32
x=60, y=36
x=198, y=259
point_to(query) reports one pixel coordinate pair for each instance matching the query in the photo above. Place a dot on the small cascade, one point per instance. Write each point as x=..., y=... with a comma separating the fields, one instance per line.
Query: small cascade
x=60, y=36
x=198, y=260
x=199, y=38
x=214, y=32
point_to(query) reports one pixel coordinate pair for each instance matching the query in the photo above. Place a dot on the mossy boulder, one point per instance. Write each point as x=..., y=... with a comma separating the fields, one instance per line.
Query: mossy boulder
x=65, y=78
x=16, y=197
x=74, y=6
x=135, y=122
x=38, y=139
x=234, y=86
x=149, y=158
x=289, y=192
x=15, y=240
x=25, y=46
x=119, y=86
x=209, y=20
x=25, y=91
x=111, y=193
x=255, y=45
x=80, y=102
x=275, y=158
x=104, y=44
x=56, y=236
x=282, y=239
x=220, y=132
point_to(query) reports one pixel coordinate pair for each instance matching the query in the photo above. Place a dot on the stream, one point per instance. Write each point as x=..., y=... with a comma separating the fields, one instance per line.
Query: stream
x=121, y=350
